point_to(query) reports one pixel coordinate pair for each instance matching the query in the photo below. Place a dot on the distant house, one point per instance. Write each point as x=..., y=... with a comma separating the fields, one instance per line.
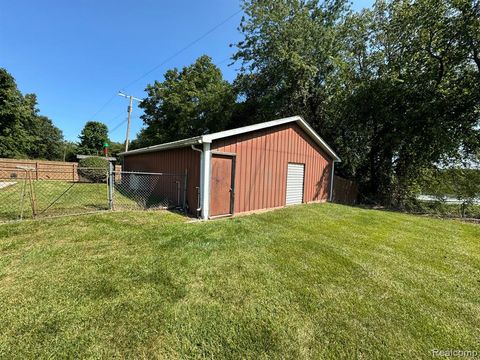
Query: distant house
x=262, y=166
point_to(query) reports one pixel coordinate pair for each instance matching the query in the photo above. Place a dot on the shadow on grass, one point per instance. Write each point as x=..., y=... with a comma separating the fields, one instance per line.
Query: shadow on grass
x=143, y=199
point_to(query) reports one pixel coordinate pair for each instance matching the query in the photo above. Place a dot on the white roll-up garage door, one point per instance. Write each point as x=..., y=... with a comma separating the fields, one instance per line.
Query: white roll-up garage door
x=295, y=179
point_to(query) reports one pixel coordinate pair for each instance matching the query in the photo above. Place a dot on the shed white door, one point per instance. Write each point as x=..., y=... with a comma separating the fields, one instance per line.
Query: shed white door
x=295, y=179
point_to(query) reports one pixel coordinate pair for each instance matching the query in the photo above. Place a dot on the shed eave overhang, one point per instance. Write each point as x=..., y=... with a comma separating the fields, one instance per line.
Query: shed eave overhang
x=245, y=129
x=171, y=145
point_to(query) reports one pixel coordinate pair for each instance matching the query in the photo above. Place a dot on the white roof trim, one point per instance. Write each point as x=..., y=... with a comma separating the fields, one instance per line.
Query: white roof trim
x=165, y=146
x=245, y=129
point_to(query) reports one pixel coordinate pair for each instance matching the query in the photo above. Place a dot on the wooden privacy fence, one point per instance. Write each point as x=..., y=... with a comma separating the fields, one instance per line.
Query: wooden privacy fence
x=41, y=169
x=344, y=191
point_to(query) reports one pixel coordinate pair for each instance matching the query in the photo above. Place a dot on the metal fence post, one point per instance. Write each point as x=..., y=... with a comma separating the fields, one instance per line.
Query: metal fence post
x=111, y=184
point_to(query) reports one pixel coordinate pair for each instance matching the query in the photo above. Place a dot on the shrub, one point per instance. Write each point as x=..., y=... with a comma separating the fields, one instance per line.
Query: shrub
x=93, y=168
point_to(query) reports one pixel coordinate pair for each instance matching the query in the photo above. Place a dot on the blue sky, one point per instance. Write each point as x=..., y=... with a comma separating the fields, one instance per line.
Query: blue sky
x=76, y=55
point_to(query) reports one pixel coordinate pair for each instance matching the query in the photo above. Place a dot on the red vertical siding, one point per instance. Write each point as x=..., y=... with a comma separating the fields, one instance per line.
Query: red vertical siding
x=261, y=166
x=173, y=161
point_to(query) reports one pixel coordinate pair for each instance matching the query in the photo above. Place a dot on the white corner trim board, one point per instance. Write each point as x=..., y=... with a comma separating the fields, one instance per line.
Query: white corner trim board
x=205, y=184
x=332, y=175
x=200, y=190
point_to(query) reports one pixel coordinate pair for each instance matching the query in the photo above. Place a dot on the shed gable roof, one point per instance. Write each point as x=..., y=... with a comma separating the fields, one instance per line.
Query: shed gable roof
x=208, y=138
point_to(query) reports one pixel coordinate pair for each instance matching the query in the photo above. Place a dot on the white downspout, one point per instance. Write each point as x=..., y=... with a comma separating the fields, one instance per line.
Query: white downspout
x=201, y=175
x=207, y=156
x=331, y=181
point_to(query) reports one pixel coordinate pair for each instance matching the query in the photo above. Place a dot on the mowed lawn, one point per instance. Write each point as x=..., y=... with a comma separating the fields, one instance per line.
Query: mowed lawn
x=54, y=198
x=313, y=281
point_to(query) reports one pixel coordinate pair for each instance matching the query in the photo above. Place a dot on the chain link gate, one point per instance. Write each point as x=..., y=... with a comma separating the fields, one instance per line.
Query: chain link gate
x=25, y=195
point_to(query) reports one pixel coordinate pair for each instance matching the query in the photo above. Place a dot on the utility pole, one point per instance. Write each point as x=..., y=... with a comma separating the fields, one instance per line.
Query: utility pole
x=129, y=111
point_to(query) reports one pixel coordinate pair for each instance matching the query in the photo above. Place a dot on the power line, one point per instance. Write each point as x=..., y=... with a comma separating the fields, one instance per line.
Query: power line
x=103, y=107
x=118, y=126
x=114, y=118
x=223, y=61
x=204, y=35
x=183, y=49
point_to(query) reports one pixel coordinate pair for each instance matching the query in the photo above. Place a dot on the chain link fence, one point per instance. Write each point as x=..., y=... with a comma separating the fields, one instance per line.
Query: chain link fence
x=142, y=190
x=24, y=196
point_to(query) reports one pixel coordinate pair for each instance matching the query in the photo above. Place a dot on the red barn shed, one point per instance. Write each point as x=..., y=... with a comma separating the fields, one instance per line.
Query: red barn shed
x=262, y=166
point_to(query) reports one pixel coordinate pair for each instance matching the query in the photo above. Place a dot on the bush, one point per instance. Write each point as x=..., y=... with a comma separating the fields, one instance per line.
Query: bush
x=93, y=169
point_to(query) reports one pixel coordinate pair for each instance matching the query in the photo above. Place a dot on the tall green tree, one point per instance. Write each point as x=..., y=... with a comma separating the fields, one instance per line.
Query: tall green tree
x=288, y=54
x=411, y=93
x=46, y=139
x=115, y=148
x=15, y=139
x=24, y=133
x=70, y=151
x=394, y=88
x=190, y=102
x=93, y=136
x=49, y=143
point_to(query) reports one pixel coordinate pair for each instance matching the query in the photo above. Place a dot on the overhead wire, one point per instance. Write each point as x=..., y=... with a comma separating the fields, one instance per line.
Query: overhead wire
x=211, y=30
x=118, y=126
x=124, y=121
x=108, y=123
x=222, y=61
x=204, y=35
x=103, y=107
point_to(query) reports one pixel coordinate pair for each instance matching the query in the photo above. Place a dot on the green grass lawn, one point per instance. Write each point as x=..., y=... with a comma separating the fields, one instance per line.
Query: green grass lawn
x=314, y=281
x=55, y=198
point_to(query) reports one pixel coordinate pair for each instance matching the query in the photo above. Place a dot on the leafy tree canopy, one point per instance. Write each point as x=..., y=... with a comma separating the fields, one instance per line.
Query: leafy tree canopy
x=70, y=151
x=23, y=132
x=115, y=148
x=289, y=52
x=394, y=88
x=190, y=102
x=92, y=138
